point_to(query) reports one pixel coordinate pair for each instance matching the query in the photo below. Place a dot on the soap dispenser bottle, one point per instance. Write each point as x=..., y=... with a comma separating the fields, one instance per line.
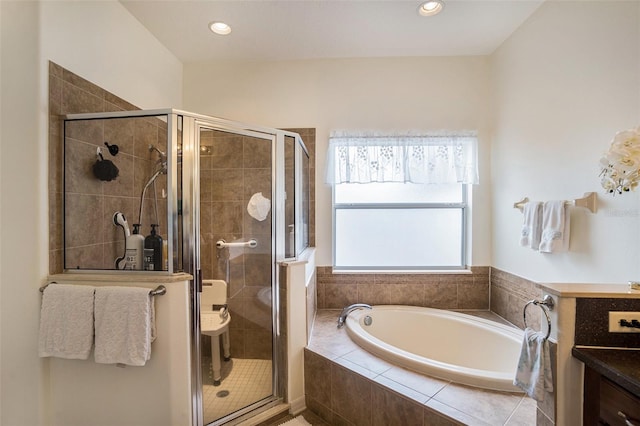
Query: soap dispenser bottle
x=153, y=250
x=135, y=249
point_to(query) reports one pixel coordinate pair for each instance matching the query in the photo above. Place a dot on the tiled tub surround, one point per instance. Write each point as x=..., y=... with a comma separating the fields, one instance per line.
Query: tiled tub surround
x=345, y=385
x=509, y=294
x=444, y=291
x=483, y=288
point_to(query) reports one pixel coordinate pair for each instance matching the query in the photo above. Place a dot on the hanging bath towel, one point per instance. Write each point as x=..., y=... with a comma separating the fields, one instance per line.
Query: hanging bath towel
x=555, y=227
x=66, y=321
x=531, y=225
x=533, y=374
x=124, y=325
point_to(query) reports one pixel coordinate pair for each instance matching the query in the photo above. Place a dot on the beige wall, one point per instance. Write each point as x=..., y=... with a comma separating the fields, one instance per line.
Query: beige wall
x=130, y=63
x=374, y=94
x=565, y=83
x=22, y=231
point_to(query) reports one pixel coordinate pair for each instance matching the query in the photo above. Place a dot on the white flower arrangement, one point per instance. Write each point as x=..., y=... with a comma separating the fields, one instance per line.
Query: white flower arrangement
x=621, y=164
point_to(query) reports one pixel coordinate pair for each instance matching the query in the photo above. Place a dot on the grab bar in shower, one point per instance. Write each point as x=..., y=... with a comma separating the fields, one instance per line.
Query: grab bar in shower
x=546, y=304
x=252, y=243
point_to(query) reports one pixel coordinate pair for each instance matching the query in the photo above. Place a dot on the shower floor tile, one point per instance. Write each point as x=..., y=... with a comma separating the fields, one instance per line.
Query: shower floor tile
x=244, y=381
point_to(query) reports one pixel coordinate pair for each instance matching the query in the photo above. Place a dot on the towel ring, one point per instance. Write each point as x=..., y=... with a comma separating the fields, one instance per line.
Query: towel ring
x=545, y=304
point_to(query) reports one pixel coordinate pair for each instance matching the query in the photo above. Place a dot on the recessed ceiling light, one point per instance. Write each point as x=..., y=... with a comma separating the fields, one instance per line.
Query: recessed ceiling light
x=220, y=28
x=431, y=7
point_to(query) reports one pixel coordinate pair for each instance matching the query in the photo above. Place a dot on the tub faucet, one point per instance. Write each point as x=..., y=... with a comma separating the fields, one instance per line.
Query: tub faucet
x=346, y=311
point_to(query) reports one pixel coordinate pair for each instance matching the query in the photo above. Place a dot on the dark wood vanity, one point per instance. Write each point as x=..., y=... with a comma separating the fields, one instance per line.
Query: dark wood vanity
x=611, y=386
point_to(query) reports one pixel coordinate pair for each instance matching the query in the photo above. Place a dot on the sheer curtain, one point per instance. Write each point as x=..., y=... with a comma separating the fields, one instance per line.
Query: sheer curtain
x=433, y=158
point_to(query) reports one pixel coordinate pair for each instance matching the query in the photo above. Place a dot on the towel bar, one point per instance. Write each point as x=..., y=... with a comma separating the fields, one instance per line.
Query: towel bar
x=158, y=291
x=589, y=201
x=546, y=304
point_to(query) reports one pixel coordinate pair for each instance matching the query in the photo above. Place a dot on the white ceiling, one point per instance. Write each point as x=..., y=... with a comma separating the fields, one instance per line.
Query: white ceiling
x=308, y=29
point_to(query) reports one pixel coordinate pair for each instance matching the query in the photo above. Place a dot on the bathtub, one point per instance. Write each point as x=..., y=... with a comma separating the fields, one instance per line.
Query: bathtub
x=448, y=345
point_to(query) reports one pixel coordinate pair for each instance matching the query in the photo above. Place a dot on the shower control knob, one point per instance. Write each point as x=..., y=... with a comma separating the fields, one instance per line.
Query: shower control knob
x=113, y=149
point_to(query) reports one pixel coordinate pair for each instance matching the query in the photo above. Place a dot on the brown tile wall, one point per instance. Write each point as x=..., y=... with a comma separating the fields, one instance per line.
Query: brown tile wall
x=282, y=352
x=341, y=396
x=509, y=294
x=445, y=291
x=233, y=168
x=93, y=241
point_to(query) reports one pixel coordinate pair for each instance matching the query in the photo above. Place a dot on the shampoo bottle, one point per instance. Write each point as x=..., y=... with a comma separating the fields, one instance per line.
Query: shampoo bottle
x=153, y=242
x=134, y=248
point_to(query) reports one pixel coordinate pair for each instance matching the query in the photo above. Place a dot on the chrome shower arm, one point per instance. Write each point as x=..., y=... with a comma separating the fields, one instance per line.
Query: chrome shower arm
x=144, y=191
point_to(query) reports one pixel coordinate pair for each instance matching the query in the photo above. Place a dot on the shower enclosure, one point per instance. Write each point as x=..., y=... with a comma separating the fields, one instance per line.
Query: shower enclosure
x=225, y=201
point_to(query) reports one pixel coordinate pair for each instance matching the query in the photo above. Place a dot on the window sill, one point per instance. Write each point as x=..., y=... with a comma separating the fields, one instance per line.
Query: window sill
x=401, y=271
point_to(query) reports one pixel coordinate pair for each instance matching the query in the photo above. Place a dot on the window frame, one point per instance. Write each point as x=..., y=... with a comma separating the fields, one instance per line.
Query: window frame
x=463, y=206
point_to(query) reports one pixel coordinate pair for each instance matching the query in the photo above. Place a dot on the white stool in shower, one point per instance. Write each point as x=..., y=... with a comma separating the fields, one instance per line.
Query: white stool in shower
x=214, y=322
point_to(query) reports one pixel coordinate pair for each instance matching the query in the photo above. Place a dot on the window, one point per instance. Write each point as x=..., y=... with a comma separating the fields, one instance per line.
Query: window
x=400, y=203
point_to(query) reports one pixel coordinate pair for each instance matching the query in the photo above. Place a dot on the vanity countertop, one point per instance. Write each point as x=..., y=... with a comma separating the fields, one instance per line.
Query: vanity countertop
x=618, y=365
x=607, y=291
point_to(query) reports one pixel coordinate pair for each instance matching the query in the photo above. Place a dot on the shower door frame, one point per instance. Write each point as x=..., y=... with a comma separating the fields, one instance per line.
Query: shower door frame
x=192, y=124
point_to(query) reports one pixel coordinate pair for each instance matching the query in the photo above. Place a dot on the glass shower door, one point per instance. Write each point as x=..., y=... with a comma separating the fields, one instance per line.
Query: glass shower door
x=237, y=263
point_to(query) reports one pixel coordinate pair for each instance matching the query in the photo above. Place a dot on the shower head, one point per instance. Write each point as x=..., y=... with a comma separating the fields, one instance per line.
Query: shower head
x=162, y=161
x=163, y=156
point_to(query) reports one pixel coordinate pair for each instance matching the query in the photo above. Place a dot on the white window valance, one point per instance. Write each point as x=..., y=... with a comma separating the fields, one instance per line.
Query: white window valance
x=417, y=158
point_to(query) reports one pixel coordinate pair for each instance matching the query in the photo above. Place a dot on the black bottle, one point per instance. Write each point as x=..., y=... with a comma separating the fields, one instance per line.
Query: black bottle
x=153, y=242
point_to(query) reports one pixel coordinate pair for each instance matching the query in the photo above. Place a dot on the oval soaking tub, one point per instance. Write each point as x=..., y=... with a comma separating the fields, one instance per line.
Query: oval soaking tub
x=444, y=344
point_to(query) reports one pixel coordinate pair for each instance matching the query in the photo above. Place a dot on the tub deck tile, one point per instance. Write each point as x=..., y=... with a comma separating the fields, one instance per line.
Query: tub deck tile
x=455, y=414
x=402, y=390
x=367, y=360
x=420, y=383
x=492, y=407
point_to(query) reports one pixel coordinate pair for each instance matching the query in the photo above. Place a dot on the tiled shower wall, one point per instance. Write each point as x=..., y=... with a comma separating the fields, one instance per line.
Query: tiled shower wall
x=93, y=241
x=234, y=168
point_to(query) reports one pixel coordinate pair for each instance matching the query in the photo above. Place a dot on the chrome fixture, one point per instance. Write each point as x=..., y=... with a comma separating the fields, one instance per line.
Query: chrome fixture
x=546, y=304
x=161, y=170
x=252, y=243
x=346, y=311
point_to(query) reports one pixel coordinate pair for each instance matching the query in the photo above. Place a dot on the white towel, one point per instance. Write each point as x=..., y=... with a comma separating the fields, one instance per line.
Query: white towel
x=124, y=325
x=555, y=227
x=66, y=321
x=531, y=225
x=533, y=374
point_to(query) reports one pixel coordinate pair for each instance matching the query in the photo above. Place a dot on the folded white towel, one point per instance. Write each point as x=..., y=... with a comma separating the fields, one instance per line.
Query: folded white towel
x=531, y=225
x=533, y=374
x=555, y=227
x=124, y=325
x=66, y=321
